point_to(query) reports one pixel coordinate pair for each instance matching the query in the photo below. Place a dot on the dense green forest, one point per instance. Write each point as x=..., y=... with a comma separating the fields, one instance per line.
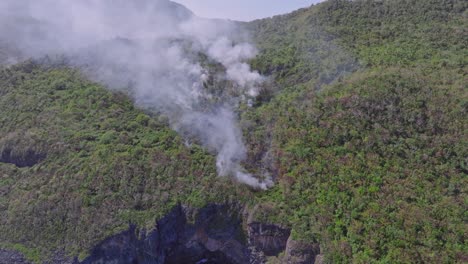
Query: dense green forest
x=363, y=125
x=367, y=128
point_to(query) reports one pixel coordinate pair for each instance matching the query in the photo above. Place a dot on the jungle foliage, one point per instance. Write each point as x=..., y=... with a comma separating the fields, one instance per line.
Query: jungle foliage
x=367, y=130
x=79, y=163
x=363, y=125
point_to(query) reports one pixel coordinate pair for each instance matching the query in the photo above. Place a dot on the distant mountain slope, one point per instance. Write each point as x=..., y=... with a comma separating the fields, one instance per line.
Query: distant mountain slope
x=325, y=40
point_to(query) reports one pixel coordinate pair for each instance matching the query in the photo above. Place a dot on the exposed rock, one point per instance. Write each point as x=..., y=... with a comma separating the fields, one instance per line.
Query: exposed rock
x=320, y=259
x=301, y=253
x=12, y=257
x=270, y=239
x=215, y=236
x=27, y=159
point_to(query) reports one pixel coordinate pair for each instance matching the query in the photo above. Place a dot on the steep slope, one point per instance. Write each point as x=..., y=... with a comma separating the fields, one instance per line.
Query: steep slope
x=362, y=125
x=78, y=163
x=373, y=166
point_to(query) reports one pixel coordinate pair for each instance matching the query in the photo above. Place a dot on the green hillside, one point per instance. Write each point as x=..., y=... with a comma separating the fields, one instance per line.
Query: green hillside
x=80, y=162
x=372, y=165
x=363, y=125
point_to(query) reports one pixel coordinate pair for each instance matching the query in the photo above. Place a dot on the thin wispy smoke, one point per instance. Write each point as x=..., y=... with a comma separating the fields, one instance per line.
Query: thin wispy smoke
x=150, y=48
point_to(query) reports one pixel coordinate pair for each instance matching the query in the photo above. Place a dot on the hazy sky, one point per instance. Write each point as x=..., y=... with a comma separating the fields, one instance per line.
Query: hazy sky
x=244, y=10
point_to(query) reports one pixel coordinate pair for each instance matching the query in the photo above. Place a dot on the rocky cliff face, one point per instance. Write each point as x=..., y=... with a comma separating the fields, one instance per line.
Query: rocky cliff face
x=209, y=235
x=213, y=234
x=302, y=253
x=268, y=239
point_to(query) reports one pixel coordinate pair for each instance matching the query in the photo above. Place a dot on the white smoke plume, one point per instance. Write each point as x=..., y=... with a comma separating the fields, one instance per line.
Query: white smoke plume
x=149, y=47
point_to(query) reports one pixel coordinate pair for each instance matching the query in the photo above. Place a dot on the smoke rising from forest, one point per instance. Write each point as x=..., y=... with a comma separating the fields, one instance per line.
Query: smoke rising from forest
x=151, y=49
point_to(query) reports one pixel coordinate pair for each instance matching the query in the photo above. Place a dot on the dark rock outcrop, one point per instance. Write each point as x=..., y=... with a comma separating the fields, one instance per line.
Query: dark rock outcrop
x=298, y=252
x=12, y=257
x=215, y=236
x=27, y=159
x=270, y=239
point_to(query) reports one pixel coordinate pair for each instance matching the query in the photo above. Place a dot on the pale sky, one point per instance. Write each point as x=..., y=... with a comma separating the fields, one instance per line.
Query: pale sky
x=244, y=10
